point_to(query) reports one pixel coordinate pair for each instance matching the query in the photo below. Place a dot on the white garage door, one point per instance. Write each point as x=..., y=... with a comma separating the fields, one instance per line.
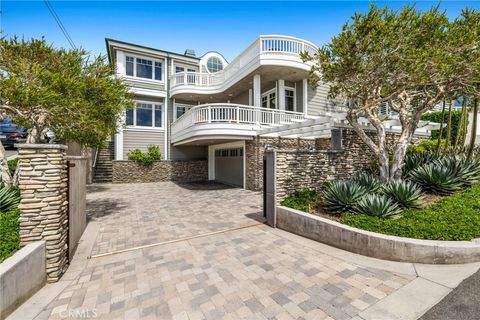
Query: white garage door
x=229, y=166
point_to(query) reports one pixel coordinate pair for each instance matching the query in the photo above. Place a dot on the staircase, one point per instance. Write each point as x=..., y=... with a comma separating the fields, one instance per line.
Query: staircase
x=103, y=166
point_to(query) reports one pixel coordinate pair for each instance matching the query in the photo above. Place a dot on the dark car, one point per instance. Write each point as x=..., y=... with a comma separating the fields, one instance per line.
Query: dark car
x=10, y=135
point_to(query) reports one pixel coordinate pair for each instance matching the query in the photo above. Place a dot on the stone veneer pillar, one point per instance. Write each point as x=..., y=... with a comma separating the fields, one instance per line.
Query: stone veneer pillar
x=44, y=204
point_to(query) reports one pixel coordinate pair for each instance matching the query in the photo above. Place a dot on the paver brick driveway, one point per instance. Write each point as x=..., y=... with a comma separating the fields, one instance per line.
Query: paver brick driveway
x=250, y=273
x=139, y=214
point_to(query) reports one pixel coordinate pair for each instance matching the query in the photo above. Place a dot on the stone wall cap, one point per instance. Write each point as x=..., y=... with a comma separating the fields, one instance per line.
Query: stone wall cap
x=21, y=254
x=40, y=146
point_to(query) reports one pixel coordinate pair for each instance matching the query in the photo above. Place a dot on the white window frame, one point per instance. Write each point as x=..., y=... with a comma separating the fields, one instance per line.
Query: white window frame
x=162, y=61
x=181, y=105
x=267, y=94
x=186, y=67
x=294, y=97
x=153, y=103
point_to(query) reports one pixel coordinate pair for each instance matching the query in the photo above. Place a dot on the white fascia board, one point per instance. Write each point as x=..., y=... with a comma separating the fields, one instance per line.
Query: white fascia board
x=149, y=52
x=148, y=92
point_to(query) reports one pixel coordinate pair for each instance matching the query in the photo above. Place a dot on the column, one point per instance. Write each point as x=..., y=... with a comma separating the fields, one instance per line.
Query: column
x=257, y=91
x=305, y=96
x=118, y=142
x=44, y=203
x=281, y=94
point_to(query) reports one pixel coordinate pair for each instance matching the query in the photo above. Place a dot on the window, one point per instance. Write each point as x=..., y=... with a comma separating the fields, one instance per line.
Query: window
x=145, y=115
x=214, y=64
x=269, y=100
x=238, y=152
x=289, y=100
x=272, y=101
x=143, y=68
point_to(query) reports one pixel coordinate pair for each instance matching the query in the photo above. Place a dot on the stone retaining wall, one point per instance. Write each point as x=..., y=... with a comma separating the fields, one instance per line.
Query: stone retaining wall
x=44, y=204
x=126, y=171
x=373, y=244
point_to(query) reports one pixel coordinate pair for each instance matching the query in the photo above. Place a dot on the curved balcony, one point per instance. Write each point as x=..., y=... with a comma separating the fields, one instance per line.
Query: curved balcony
x=226, y=121
x=265, y=50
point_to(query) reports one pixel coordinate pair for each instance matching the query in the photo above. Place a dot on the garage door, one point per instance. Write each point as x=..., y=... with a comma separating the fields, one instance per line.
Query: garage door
x=229, y=166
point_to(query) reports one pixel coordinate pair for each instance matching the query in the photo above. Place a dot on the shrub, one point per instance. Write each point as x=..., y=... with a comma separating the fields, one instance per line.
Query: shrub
x=9, y=233
x=455, y=217
x=425, y=146
x=12, y=165
x=437, y=179
x=302, y=200
x=9, y=198
x=146, y=158
x=378, y=205
x=341, y=196
x=437, y=117
x=368, y=181
x=405, y=193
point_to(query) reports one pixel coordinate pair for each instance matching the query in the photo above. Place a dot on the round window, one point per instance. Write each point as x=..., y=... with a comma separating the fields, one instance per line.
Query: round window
x=214, y=64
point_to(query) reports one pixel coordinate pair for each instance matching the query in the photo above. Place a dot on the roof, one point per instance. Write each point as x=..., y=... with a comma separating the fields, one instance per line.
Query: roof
x=109, y=40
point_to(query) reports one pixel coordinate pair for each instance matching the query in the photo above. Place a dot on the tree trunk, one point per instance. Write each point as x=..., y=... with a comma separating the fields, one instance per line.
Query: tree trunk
x=449, y=127
x=473, y=134
x=440, y=132
x=6, y=176
x=461, y=126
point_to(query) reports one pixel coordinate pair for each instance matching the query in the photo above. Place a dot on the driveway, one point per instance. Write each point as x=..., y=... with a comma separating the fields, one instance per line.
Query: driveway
x=197, y=251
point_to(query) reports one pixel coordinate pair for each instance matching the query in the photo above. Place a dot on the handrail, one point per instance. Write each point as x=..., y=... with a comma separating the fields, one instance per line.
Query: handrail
x=234, y=114
x=269, y=44
x=95, y=157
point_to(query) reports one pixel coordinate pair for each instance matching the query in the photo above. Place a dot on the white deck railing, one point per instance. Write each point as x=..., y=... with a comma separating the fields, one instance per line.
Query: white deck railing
x=262, y=45
x=228, y=113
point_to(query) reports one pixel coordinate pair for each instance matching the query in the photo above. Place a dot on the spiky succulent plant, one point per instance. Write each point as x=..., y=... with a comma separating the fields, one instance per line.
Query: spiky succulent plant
x=341, y=196
x=368, y=181
x=436, y=178
x=405, y=193
x=378, y=205
x=413, y=161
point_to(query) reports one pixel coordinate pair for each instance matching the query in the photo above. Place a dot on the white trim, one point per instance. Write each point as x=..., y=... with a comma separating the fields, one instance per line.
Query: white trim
x=165, y=126
x=119, y=138
x=136, y=56
x=152, y=127
x=228, y=145
x=294, y=97
x=257, y=91
x=281, y=94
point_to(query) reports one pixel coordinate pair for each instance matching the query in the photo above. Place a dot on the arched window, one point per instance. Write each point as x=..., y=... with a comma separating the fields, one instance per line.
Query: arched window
x=214, y=64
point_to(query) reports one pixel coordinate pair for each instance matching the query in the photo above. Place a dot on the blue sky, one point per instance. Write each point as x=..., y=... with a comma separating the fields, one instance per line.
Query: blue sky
x=227, y=27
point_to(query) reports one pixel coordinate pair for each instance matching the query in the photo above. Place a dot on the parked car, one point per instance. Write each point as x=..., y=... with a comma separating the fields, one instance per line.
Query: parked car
x=11, y=135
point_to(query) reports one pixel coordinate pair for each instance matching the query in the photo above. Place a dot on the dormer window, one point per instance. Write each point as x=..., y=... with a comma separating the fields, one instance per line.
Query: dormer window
x=214, y=64
x=143, y=68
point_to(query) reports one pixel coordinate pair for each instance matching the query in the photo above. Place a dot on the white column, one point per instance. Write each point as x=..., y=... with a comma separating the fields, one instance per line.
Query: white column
x=305, y=96
x=211, y=163
x=250, y=97
x=165, y=128
x=281, y=94
x=257, y=91
x=119, y=139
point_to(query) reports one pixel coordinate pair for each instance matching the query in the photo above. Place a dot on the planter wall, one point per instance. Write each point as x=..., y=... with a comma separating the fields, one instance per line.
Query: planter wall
x=374, y=244
x=21, y=276
x=126, y=171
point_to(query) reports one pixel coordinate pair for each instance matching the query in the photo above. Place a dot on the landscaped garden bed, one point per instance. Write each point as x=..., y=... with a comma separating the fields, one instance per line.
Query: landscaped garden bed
x=438, y=198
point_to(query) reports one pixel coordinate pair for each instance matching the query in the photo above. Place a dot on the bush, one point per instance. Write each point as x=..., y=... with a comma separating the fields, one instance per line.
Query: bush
x=437, y=117
x=405, y=193
x=436, y=179
x=425, y=146
x=368, y=181
x=341, y=196
x=146, y=158
x=12, y=165
x=379, y=206
x=456, y=217
x=302, y=200
x=9, y=233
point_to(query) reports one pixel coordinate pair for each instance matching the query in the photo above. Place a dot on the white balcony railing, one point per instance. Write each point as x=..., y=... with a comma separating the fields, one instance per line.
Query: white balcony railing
x=264, y=45
x=227, y=113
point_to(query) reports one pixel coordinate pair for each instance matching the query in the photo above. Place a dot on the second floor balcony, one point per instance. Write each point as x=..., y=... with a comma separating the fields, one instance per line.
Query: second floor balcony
x=279, y=51
x=206, y=123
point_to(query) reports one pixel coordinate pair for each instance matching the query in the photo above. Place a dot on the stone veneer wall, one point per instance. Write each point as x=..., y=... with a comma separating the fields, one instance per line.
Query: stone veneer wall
x=44, y=204
x=126, y=171
x=299, y=169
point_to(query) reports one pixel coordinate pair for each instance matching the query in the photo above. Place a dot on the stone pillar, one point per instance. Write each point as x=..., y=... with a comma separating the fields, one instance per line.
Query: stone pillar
x=44, y=204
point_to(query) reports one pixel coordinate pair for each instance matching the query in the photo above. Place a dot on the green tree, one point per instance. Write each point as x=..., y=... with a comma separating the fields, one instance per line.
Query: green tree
x=409, y=59
x=41, y=87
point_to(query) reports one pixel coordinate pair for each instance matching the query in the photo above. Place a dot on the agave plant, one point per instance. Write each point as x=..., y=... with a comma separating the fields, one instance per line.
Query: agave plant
x=405, y=193
x=9, y=198
x=468, y=171
x=415, y=160
x=437, y=179
x=341, y=196
x=368, y=181
x=378, y=205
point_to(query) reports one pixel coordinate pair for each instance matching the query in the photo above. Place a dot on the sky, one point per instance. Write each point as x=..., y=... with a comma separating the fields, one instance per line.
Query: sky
x=226, y=27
